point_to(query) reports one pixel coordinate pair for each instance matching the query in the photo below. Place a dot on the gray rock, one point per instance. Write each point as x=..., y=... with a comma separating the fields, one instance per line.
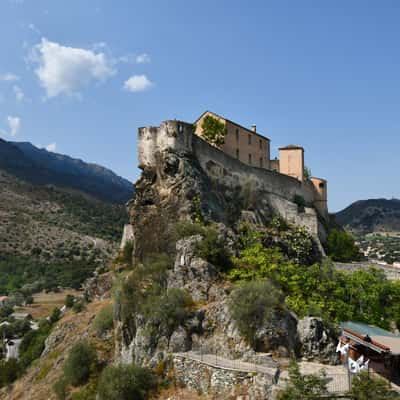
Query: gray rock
x=318, y=341
x=179, y=341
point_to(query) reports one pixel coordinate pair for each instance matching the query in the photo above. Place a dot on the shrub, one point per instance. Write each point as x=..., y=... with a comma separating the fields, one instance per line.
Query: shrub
x=305, y=387
x=251, y=305
x=55, y=315
x=9, y=371
x=80, y=363
x=60, y=388
x=125, y=382
x=299, y=200
x=168, y=310
x=69, y=300
x=78, y=306
x=185, y=229
x=104, y=320
x=212, y=248
x=341, y=246
x=365, y=387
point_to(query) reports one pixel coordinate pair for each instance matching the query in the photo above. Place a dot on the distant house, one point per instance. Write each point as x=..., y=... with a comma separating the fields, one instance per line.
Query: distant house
x=12, y=348
x=3, y=300
x=21, y=316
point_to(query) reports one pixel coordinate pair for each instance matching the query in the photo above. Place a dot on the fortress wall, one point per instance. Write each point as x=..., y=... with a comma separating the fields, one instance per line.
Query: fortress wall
x=233, y=173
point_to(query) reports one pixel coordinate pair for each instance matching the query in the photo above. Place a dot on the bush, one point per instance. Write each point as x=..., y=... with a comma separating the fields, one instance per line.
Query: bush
x=251, y=305
x=185, y=229
x=60, y=388
x=305, y=387
x=364, y=387
x=341, y=246
x=104, y=320
x=69, y=300
x=212, y=248
x=9, y=372
x=78, y=306
x=167, y=310
x=55, y=315
x=125, y=382
x=81, y=361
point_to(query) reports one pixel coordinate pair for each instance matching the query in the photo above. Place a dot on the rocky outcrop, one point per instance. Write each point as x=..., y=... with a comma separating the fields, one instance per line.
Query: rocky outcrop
x=318, y=341
x=98, y=286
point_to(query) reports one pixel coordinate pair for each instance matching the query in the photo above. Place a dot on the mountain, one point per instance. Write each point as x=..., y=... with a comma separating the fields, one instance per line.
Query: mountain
x=372, y=215
x=41, y=167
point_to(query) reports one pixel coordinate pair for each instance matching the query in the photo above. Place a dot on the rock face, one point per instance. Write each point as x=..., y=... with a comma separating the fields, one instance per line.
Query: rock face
x=318, y=342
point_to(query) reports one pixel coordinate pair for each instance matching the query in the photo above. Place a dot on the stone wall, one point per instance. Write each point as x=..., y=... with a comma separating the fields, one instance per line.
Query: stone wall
x=391, y=273
x=208, y=379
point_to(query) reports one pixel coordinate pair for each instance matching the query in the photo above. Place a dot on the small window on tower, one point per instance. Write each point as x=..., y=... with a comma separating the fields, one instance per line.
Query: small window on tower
x=237, y=154
x=250, y=159
x=249, y=139
x=321, y=185
x=260, y=144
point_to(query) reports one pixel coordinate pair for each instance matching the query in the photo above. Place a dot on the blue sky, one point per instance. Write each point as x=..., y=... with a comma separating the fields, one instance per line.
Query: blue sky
x=82, y=76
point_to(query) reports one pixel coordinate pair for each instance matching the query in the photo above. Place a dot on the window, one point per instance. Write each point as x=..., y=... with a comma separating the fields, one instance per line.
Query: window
x=249, y=139
x=261, y=163
x=250, y=159
x=321, y=185
x=237, y=135
x=260, y=144
x=237, y=154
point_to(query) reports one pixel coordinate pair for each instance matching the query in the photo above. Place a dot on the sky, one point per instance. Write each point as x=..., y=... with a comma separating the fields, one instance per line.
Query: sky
x=79, y=77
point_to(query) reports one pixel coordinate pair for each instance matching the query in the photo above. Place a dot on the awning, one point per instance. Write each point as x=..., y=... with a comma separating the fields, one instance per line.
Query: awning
x=371, y=336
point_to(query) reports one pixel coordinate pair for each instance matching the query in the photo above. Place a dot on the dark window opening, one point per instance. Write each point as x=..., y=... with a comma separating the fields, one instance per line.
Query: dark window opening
x=250, y=159
x=321, y=185
x=260, y=144
x=249, y=139
x=261, y=162
x=237, y=154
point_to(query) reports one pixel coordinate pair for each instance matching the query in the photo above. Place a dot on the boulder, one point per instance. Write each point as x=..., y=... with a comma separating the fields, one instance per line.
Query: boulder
x=318, y=341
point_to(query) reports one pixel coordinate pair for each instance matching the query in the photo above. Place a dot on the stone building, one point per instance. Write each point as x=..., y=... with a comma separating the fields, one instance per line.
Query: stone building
x=252, y=148
x=244, y=144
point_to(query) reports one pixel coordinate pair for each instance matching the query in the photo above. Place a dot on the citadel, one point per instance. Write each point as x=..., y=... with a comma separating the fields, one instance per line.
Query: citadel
x=244, y=159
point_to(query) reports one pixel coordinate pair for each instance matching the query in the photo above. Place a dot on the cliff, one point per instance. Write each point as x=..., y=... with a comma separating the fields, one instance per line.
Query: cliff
x=186, y=179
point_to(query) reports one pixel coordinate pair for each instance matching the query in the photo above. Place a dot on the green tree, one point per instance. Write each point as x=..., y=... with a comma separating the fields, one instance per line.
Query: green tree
x=214, y=131
x=251, y=305
x=364, y=387
x=341, y=246
x=125, y=382
x=81, y=361
x=305, y=387
x=69, y=300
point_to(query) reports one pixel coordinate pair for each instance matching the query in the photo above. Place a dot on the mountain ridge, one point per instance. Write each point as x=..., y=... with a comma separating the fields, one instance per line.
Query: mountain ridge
x=371, y=215
x=41, y=167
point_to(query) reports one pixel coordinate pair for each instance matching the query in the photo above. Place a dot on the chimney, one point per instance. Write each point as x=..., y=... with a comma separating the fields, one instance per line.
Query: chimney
x=254, y=128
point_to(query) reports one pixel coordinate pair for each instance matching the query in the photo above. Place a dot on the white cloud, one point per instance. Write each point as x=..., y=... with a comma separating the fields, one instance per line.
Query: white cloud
x=14, y=124
x=142, y=58
x=65, y=70
x=8, y=77
x=19, y=94
x=138, y=83
x=51, y=147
